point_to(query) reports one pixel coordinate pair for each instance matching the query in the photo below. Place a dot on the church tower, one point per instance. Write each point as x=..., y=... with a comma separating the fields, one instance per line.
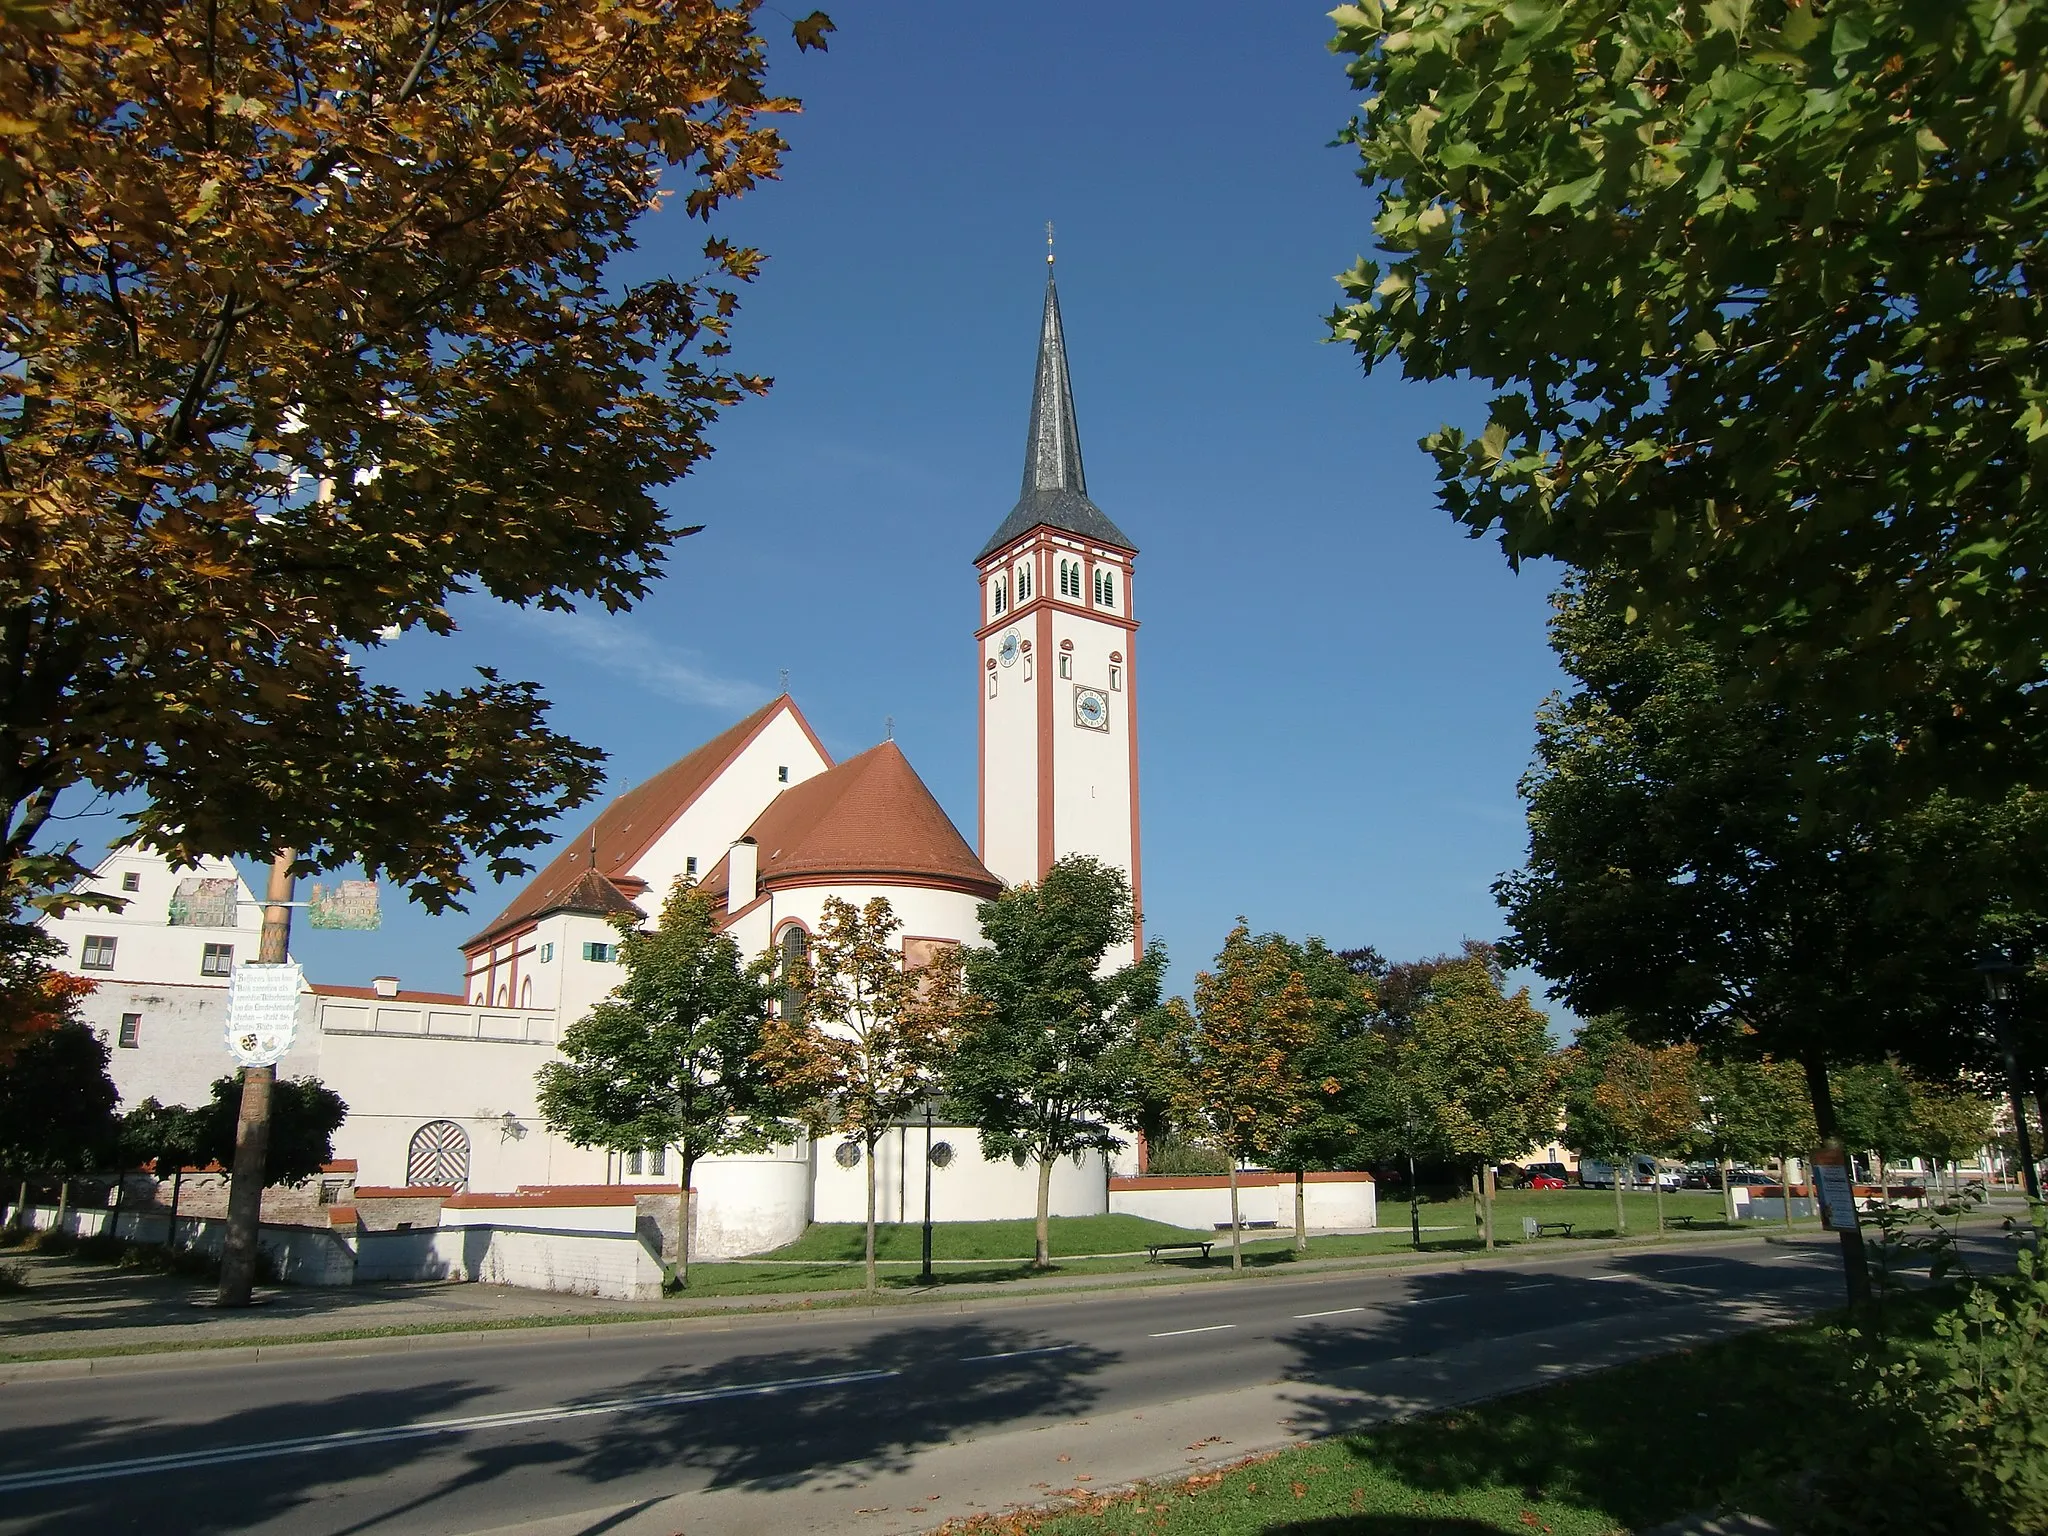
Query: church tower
x=1057, y=641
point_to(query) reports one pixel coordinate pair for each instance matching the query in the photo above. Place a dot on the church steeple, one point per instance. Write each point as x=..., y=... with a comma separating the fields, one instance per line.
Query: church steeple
x=1055, y=491
x=1052, y=448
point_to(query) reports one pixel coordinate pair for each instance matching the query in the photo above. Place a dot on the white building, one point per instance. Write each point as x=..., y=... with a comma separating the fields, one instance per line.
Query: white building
x=441, y=1087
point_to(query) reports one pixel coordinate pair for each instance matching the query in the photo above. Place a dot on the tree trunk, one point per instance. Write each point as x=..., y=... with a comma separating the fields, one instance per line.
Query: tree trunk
x=177, y=1189
x=19, y=1221
x=120, y=1201
x=1620, y=1210
x=245, y=1187
x=1785, y=1183
x=684, y=1195
x=1486, y=1205
x=1657, y=1184
x=1300, y=1211
x=1855, y=1261
x=873, y=1284
x=1236, y=1224
x=63, y=1202
x=1042, y=1236
x=1727, y=1195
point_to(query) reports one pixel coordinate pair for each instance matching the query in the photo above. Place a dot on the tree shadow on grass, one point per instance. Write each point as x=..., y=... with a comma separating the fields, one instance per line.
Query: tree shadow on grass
x=1383, y=1525
x=1639, y=1442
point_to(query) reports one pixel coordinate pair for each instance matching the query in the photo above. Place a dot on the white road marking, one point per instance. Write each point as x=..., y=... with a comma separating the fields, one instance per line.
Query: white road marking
x=1174, y=1333
x=1018, y=1354
x=342, y=1439
x=1333, y=1312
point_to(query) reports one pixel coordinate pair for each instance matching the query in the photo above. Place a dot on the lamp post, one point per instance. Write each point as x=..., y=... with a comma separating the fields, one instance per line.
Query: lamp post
x=926, y=1277
x=1414, y=1196
x=2001, y=982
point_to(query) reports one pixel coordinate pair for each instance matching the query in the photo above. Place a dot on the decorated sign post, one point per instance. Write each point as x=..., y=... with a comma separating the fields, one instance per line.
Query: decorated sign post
x=1834, y=1190
x=263, y=1012
x=262, y=1017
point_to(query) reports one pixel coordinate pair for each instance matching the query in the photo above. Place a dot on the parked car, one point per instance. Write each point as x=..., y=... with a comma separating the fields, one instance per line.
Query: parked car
x=1647, y=1173
x=1507, y=1175
x=1557, y=1175
x=1541, y=1181
x=1702, y=1176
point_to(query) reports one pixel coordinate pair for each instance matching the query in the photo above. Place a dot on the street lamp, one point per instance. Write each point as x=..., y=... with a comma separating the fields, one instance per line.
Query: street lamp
x=926, y=1277
x=2001, y=984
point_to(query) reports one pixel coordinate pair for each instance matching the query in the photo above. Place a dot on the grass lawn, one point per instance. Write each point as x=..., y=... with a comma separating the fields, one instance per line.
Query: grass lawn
x=1620, y=1451
x=828, y=1255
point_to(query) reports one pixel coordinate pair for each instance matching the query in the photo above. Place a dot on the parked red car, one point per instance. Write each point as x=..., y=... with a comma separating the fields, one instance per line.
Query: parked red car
x=1543, y=1181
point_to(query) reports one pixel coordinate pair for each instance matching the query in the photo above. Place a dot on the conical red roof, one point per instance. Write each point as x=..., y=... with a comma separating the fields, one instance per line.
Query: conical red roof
x=872, y=819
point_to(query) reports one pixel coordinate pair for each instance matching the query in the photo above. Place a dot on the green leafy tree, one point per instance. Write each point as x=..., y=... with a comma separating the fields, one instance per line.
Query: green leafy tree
x=1045, y=1063
x=315, y=326
x=869, y=1037
x=668, y=1059
x=162, y=1136
x=1336, y=1068
x=304, y=1115
x=1479, y=1064
x=1874, y=1111
x=1946, y=1123
x=57, y=1107
x=1754, y=289
x=1751, y=1111
x=1234, y=1059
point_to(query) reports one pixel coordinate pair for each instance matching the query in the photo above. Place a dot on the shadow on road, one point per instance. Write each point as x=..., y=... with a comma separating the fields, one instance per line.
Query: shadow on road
x=942, y=1386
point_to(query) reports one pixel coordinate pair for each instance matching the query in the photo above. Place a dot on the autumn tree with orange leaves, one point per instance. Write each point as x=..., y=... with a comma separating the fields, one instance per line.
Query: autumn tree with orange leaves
x=867, y=1036
x=311, y=327
x=1236, y=1062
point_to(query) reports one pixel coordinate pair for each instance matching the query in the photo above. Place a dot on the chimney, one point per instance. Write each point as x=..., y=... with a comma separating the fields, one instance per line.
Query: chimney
x=387, y=986
x=743, y=874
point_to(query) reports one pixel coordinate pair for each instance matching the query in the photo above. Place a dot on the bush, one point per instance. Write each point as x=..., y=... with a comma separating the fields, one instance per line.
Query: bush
x=1171, y=1157
x=1957, y=1422
x=14, y=1276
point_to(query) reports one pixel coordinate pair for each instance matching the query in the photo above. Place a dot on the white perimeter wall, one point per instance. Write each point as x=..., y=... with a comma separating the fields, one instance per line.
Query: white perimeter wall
x=1330, y=1205
x=750, y=1204
x=971, y=1188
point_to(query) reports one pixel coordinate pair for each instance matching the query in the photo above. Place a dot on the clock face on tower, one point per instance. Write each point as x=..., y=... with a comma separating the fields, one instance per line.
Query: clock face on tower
x=1091, y=709
x=1006, y=652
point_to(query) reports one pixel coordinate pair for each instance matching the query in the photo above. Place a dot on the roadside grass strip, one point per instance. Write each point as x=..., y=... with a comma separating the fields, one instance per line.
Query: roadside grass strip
x=1582, y=1457
x=347, y=1439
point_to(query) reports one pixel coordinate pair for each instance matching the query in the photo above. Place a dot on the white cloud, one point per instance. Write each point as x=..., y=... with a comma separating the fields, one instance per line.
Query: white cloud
x=631, y=652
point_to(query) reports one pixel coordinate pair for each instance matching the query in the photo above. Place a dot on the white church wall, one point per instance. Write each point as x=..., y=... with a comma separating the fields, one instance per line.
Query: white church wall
x=925, y=911
x=749, y=1205
x=396, y=1082
x=727, y=806
x=970, y=1188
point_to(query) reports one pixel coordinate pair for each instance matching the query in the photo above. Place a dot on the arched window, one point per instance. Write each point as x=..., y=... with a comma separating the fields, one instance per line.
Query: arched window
x=796, y=949
x=1105, y=587
x=504, y=996
x=1002, y=587
x=1070, y=577
x=438, y=1157
x=526, y=993
x=1024, y=582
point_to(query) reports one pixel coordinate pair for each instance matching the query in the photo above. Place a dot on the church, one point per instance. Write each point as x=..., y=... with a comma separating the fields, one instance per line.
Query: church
x=441, y=1086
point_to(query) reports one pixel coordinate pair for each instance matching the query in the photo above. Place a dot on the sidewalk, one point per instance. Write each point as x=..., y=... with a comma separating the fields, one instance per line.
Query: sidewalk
x=83, y=1313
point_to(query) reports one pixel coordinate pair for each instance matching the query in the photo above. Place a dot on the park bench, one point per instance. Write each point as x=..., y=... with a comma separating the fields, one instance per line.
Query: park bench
x=1159, y=1248
x=1531, y=1227
x=1248, y=1225
x=1688, y=1221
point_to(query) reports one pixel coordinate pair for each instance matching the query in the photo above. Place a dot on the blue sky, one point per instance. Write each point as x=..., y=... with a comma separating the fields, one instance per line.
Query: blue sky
x=1337, y=685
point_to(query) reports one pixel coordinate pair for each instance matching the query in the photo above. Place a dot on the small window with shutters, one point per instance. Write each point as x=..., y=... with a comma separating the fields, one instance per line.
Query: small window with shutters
x=131, y=1031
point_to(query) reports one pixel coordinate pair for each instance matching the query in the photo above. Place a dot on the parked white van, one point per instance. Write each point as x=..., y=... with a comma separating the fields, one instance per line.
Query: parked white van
x=1649, y=1173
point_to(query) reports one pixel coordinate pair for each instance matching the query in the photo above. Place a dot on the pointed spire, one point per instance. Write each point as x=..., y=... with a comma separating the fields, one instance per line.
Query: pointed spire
x=1055, y=492
x=1052, y=449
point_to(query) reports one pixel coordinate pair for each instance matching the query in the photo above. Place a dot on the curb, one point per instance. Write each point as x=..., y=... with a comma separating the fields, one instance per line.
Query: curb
x=182, y=1356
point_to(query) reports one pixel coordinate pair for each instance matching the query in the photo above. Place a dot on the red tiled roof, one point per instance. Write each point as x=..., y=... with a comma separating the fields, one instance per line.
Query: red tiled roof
x=329, y=989
x=628, y=827
x=869, y=817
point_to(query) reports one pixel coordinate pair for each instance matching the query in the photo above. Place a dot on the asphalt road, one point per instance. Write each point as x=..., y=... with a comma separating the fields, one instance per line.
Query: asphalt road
x=842, y=1421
